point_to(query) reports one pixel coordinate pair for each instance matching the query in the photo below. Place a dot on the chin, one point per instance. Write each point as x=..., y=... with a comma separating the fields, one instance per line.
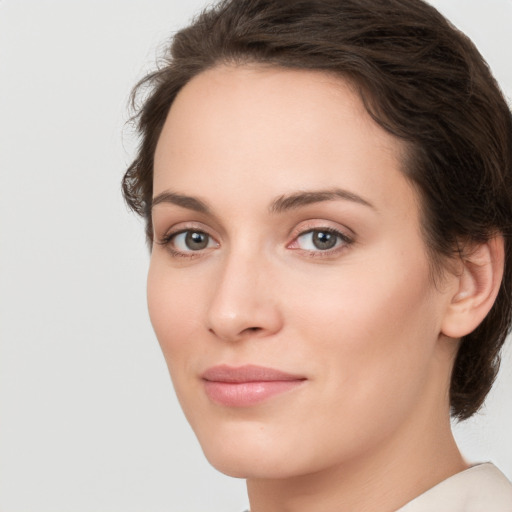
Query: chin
x=252, y=452
x=260, y=451
x=249, y=464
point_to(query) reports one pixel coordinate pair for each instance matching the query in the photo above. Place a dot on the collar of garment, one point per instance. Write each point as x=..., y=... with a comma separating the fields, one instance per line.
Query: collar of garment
x=481, y=488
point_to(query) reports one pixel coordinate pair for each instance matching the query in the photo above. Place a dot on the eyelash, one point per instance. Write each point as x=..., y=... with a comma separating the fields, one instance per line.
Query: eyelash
x=319, y=253
x=167, y=239
x=346, y=241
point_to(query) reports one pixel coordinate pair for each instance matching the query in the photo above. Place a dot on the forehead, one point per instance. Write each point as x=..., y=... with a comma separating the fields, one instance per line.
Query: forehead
x=292, y=129
x=251, y=99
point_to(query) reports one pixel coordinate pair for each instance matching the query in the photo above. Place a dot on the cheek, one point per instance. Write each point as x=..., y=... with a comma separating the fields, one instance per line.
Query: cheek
x=174, y=308
x=369, y=343
x=370, y=332
x=362, y=302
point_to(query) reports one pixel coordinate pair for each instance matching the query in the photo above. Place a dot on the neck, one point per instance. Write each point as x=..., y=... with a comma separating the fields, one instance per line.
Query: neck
x=412, y=461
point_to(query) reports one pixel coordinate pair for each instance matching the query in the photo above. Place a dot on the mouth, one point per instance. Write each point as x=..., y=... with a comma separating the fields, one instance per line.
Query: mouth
x=247, y=385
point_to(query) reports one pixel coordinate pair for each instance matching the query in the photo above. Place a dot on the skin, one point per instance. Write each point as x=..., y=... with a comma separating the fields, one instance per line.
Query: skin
x=363, y=323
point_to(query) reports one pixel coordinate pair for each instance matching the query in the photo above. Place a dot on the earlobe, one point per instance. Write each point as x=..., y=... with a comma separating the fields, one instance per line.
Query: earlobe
x=478, y=286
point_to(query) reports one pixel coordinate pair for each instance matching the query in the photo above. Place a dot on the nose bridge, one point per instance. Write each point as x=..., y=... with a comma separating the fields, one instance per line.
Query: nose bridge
x=243, y=300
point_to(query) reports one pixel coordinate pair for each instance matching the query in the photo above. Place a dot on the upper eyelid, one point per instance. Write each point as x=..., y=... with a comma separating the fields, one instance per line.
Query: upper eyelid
x=319, y=224
x=175, y=229
x=301, y=228
x=324, y=229
x=347, y=239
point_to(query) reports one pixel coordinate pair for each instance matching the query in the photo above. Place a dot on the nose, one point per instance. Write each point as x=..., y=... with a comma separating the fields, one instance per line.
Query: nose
x=244, y=300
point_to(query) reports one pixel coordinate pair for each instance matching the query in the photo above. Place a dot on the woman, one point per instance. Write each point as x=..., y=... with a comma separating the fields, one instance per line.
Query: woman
x=327, y=193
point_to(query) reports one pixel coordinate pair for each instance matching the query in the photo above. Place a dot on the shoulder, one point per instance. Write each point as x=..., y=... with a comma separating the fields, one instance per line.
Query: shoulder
x=481, y=488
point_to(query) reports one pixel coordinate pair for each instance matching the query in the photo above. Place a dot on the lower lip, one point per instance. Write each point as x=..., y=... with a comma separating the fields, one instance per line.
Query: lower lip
x=245, y=394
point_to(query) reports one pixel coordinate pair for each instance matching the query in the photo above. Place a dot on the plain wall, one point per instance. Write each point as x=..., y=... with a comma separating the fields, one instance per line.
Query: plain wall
x=88, y=419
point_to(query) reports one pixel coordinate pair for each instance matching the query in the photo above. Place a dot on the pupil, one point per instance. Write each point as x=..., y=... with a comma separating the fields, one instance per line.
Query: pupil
x=324, y=240
x=196, y=240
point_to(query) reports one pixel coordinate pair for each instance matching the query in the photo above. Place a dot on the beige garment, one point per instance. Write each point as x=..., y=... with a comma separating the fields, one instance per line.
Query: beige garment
x=481, y=488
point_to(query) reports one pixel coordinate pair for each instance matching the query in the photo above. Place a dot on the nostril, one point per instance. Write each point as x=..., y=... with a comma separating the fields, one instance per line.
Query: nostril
x=248, y=329
x=251, y=330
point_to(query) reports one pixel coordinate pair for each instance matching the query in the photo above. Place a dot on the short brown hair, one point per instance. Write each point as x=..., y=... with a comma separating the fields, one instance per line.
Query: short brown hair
x=420, y=79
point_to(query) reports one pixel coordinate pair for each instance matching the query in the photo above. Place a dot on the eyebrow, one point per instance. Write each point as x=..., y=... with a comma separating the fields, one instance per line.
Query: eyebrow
x=281, y=204
x=299, y=199
x=189, y=202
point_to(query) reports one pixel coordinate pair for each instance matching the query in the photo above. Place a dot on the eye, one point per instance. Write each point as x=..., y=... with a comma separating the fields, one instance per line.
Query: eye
x=320, y=240
x=191, y=240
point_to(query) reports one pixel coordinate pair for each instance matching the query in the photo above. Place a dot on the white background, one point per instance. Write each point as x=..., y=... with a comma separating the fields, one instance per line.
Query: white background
x=88, y=419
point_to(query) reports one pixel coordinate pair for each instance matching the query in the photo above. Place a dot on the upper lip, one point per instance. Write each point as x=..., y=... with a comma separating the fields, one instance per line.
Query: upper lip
x=247, y=373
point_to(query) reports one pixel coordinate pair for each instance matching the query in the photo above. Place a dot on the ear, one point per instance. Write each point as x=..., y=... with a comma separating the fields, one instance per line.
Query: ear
x=478, y=286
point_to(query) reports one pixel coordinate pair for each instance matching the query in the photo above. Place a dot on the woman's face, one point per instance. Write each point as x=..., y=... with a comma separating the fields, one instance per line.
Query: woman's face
x=289, y=284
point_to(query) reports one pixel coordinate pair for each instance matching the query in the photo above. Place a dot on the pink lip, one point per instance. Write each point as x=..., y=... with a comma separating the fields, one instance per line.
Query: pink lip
x=247, y=385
